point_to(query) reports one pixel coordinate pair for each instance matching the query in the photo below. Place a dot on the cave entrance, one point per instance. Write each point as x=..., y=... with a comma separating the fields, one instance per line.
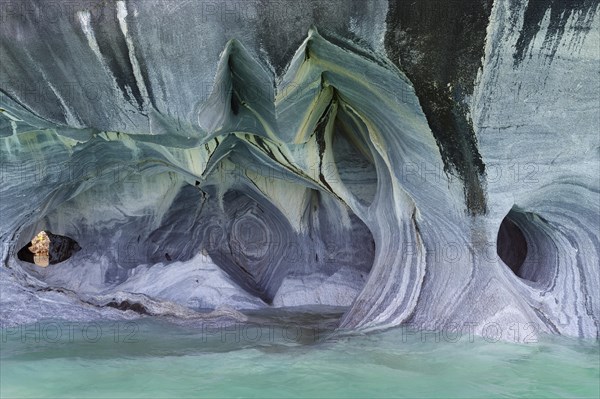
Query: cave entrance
x=46, y=249
x=511, y=245
x=527, y=245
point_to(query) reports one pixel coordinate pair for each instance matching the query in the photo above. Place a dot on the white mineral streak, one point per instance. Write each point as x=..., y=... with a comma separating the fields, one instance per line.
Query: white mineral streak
x=122, y=17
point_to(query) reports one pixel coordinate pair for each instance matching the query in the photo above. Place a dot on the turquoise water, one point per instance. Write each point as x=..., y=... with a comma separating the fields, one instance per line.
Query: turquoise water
x=275, y=359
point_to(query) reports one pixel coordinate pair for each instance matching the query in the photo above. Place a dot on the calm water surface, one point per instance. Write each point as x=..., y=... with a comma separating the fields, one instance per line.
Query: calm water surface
x=278, y=358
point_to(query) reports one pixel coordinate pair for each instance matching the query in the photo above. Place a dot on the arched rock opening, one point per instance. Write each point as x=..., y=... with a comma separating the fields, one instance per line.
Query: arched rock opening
x=511, y=245
x=48, y=249
x=526, y=245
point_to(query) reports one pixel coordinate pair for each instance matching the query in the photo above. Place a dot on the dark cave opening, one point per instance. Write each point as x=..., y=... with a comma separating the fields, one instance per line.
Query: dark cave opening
x=528, y=244
x=46, y=249
x=511, y=245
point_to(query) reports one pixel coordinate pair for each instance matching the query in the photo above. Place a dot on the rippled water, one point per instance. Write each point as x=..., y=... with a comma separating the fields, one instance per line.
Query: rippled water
x=276, y=358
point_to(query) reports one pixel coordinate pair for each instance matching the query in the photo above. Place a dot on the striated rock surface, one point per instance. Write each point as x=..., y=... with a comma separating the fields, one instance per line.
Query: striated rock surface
x=422, y=164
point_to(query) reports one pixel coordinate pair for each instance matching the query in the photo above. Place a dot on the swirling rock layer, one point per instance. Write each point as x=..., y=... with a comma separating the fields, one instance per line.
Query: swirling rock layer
x=281, y=168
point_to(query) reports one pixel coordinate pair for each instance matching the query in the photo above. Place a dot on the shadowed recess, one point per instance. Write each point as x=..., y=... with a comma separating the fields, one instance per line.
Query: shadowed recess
x=511, y=245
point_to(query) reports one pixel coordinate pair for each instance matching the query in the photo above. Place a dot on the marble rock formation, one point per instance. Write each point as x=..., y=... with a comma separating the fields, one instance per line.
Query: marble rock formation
x=431, y=164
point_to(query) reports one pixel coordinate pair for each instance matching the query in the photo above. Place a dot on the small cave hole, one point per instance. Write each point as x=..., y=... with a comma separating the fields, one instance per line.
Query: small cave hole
x=527, y=243
x=48, y=249
x=512, y=245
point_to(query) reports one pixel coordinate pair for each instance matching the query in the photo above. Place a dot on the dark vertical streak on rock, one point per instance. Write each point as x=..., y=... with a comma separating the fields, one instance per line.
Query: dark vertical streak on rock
x=320, y=137
x=147, y=81
x=144, y=70
x=439, y=45
x=234, y=101
x=146, y=77
x=113, y=48
x=560, y=12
